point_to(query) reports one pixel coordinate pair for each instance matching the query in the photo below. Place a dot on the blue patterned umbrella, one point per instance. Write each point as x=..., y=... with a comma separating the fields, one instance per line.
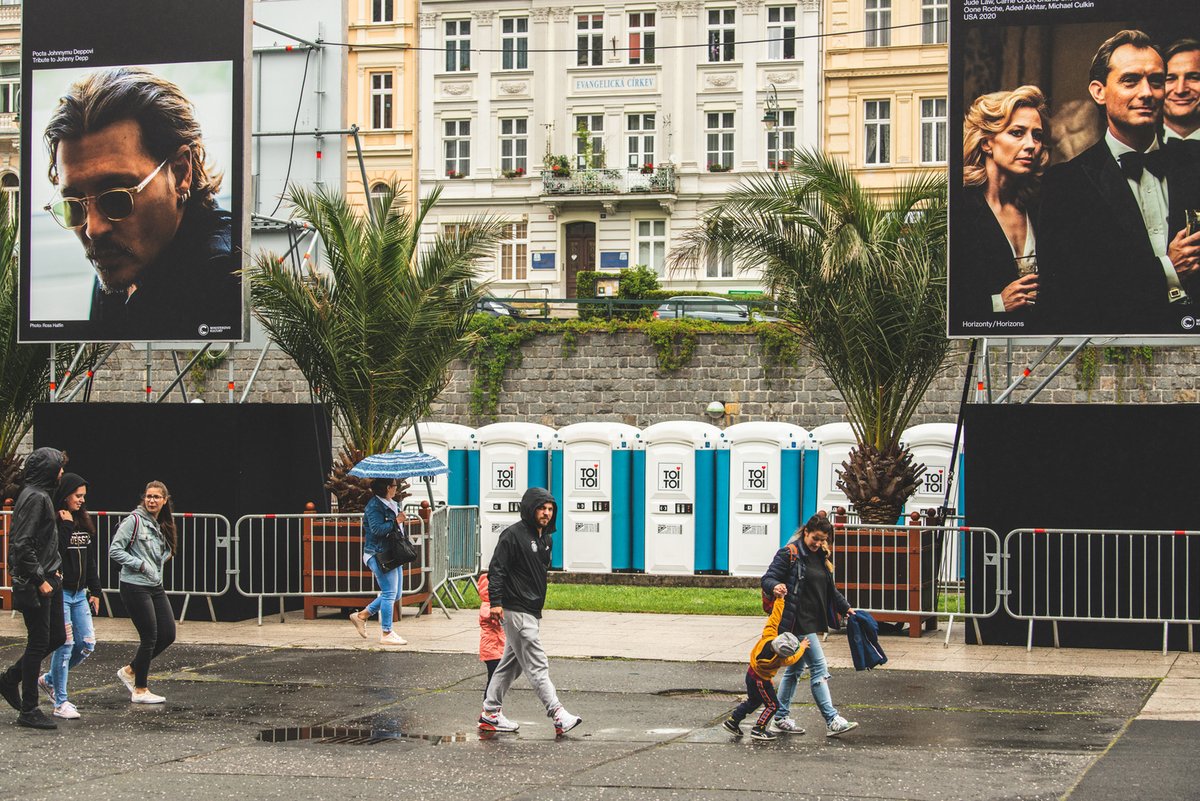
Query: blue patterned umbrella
x=399, y=464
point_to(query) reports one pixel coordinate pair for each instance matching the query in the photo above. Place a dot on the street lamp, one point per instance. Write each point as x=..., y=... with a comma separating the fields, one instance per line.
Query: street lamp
x=771, y=109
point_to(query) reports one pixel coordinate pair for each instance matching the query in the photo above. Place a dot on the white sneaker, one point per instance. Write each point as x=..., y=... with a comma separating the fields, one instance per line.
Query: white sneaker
x=839, y=725
x=360, y=624
x=45, y=686
x=67, y=711
x=786, y=726
x=496, y=722
x=564, y=721
x=392, y=638
x=126, y=678
x=146, y=697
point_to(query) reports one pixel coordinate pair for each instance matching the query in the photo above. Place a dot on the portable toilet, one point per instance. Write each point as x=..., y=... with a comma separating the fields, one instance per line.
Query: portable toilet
x=931, y=444
x=449, y=442
x=511, y=458
x=591, y=473
x=834, y=442
x=675, y=503
x=761, y=472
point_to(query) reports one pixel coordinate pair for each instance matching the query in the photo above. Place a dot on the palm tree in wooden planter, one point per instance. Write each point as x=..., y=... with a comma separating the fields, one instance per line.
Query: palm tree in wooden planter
x=862, y=281
x=374, y=328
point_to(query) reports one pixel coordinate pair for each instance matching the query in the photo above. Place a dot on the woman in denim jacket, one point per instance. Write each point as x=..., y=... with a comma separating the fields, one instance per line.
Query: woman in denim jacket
x=142, y=545
x=379, y=521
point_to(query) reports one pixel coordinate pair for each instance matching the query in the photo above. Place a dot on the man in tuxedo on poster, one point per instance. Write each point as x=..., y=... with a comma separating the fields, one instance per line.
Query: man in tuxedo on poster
x=1114, y=251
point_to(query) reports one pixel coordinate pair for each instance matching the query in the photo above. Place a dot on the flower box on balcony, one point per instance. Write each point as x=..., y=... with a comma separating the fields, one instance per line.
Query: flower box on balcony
x=716, y=167
x=647, y=168
x=455, y=174
x=519, y=172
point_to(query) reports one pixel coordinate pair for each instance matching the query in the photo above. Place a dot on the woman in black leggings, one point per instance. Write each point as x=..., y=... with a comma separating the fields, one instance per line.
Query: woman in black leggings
x=142, y=545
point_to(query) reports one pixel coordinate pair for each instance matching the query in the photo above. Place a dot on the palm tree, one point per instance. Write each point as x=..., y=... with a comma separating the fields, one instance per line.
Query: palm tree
x=863, y=283
x=375, y=331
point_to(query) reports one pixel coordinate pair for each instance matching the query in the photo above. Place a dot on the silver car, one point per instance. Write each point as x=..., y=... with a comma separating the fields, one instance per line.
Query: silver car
x=703, y=307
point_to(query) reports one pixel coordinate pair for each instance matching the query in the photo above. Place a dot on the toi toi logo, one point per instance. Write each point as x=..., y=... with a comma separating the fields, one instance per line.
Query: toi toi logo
x=587, y=476
x=505, y=477
x=754, y=477
x=670, y=477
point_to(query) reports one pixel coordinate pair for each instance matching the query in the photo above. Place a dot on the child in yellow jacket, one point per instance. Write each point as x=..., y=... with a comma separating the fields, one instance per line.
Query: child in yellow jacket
x=772, y=652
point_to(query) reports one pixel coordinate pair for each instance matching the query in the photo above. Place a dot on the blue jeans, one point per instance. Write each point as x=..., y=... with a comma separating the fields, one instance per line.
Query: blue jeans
x=389, y=588
x=81, y=641
x=814, y=660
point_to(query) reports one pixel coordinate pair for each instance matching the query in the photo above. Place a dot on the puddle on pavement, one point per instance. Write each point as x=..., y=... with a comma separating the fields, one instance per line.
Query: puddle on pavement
x=345, y=735
x=699, y=692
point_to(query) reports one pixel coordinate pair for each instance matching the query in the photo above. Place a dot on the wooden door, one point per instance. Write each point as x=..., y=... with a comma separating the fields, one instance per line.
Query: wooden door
x=581, y=251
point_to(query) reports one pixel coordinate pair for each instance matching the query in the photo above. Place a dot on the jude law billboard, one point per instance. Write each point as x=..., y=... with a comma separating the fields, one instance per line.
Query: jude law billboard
x=1075, y=168
x=133, y=161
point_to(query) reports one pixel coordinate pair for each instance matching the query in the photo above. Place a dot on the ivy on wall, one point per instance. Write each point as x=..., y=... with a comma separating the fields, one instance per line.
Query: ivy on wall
x=1125, y=360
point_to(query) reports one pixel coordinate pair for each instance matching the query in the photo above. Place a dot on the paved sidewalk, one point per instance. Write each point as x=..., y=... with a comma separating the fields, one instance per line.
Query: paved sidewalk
x=697, y=638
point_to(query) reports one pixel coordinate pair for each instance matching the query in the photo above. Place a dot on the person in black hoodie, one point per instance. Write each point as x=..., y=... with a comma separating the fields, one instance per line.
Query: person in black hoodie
x=517, y=577
x=33, y=563
x=81, y=590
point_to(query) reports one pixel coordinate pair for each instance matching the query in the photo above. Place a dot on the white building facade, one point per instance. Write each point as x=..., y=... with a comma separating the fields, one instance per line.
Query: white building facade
x=602, y=131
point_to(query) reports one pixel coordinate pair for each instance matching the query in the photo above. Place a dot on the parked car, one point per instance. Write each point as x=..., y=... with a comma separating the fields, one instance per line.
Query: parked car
x=497, y=308
x=707, y=307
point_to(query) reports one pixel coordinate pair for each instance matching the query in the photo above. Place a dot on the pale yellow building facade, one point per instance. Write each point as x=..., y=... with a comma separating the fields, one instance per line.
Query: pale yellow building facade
x=381, y=95
x=886, y=72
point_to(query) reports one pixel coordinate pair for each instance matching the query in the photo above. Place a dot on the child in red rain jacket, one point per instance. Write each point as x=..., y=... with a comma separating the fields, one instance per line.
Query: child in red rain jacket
x=491, y=632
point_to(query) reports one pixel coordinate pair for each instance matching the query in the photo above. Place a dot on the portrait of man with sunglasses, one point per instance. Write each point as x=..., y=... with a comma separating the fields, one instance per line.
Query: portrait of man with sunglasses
x=132, y=183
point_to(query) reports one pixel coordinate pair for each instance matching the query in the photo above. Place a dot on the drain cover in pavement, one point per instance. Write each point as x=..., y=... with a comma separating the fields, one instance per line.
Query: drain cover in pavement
x=344, y=735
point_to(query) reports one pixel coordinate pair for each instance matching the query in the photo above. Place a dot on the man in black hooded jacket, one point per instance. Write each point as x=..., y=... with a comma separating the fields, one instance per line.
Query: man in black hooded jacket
x=34, y=563
x=517, y=587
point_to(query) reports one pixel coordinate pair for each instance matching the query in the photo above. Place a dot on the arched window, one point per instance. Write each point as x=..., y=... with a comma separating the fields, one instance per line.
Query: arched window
x=10, y=185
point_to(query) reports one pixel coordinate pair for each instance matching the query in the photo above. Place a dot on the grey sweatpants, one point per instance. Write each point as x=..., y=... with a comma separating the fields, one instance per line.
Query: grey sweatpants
x=522, y=654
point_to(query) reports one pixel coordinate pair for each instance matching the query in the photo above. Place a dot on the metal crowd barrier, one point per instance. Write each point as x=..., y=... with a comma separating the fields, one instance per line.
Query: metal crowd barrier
x=201, y=565
x=1092, y=576
x=896, y=572
x=462, y=555
x=311, y=555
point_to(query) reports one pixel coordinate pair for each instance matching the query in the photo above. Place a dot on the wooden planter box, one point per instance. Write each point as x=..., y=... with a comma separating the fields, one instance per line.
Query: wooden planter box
x=333, y=556
x=888, y=569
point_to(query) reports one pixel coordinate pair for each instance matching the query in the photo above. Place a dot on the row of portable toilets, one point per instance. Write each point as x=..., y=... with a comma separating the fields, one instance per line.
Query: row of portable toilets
x=677, y=497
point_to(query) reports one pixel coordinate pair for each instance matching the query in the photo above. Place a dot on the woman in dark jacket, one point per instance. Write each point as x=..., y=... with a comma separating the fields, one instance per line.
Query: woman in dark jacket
x=33, y=563
x=802, y=574
x=379, y=521
x=1004, y=153
x=81, y=590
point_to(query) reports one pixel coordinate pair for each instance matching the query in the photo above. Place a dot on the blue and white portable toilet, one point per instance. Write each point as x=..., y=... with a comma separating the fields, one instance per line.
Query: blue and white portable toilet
x=591, y=468
x=449, y=442
x=762, y=474
x=931, y=444
x=674, y=526
x=512, y=457
x=834, y=443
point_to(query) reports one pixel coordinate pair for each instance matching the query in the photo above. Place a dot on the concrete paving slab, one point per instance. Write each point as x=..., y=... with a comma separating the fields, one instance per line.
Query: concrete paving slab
x=1154, y=760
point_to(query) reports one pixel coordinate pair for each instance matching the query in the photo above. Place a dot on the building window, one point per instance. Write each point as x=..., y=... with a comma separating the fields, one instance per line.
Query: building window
x=933, y=130
x=10, y=87
x=514, y=252
x=722, y=33
x=589, y=139
x=641, y=37
x=935, y=15
x=514, y=43
x=717, y=263
x=782, y=141
x=639, y=133
x=10, y=185
x=589, y=40
x=719, y=139
x=877, y=121
x=458, y=45
x=781, y=32
x=454, y=230
x=652, y=244
x=458, y=148
x=381, y=100
x=514, y=146
x=879, y=23
x=383, y=10
x=375, y=198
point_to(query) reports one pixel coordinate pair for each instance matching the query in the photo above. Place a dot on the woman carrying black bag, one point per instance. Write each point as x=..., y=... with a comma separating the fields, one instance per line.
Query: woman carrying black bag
x=379, y=527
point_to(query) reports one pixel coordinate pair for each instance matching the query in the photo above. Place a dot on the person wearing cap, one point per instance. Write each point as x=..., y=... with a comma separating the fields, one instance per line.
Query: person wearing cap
x=772, y=652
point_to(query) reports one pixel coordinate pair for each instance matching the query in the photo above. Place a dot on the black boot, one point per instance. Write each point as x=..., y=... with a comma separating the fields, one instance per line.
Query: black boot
x=11, y=693
x=36, y=720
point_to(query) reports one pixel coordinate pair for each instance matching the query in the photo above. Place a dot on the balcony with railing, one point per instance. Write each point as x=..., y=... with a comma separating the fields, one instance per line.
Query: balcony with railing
x=659, y=181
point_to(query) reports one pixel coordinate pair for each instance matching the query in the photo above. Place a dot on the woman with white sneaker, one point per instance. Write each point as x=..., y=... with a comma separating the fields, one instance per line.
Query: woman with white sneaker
x=81, y=590
x=379, y=523
x=142, y=545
